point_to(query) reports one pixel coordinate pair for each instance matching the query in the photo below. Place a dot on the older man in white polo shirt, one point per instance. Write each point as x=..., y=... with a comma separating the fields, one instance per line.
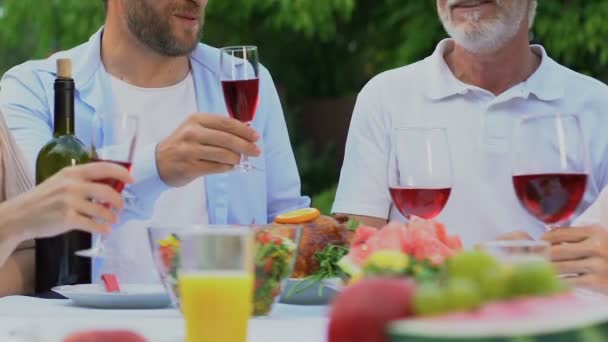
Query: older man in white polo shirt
x=477, y=84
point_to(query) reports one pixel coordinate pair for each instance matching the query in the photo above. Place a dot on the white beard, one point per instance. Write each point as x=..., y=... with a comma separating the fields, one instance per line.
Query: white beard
x=484, y=36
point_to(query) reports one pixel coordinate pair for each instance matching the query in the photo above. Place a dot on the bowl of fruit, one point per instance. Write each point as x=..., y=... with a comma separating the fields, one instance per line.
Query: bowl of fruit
x=275, y=255
x=413, y=282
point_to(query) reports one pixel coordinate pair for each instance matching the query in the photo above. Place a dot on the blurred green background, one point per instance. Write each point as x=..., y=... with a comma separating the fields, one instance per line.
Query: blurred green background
x=320, y=52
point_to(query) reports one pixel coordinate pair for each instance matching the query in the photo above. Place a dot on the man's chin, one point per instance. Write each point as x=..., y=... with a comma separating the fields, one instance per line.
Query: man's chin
x=482, y=45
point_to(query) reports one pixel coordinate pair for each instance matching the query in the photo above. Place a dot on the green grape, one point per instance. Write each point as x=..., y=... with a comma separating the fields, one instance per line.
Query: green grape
x=533, y=278
x=494, y=283
x=470, y=264
x=462, y=294
x=429, y=300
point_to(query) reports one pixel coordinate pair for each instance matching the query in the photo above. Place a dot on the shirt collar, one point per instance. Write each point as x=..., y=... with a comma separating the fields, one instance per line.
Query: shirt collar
x=93, y=83
x=545, y=83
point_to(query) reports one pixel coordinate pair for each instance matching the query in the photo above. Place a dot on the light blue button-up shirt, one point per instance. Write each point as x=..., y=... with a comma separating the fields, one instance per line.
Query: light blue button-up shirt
x=26, y=100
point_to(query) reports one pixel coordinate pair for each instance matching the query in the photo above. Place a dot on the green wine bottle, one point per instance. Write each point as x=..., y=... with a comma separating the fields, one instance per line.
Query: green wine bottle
x=56, y=263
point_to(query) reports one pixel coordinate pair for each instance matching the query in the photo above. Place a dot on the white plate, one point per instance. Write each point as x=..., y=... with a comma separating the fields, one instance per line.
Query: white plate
x=132, y=296
x=312, y=295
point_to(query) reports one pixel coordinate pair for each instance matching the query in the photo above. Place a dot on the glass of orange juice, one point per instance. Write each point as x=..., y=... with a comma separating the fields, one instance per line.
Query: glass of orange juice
x=216, y=283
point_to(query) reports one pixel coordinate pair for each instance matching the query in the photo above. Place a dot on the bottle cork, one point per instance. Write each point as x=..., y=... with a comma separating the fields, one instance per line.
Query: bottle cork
x=64, y=68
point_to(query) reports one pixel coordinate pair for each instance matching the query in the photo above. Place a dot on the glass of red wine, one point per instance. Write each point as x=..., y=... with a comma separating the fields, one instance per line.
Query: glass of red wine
x=113, y=140
x=550, y=166
x=420, y=171
x=241, y=86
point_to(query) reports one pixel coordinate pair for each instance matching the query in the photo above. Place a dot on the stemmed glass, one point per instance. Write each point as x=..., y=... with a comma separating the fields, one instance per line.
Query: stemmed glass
x=241, y=86
x=550, y=166
x=420, y=171
x=113, y=140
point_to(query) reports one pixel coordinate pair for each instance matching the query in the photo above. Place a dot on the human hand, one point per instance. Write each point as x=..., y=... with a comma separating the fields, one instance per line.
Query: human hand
x=63, y=202
x=583, y=253
x=517, y=235
x=204, y=144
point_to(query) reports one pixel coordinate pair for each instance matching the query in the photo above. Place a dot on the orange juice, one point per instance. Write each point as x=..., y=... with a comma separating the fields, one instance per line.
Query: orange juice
x=217, y=305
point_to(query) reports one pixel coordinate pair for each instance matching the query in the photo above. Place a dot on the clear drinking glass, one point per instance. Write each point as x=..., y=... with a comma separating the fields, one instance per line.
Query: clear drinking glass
x=239, y=67
x=113, y=140
x=517, y=251
x=550, y=166
x=420, y=171
x=216, y=283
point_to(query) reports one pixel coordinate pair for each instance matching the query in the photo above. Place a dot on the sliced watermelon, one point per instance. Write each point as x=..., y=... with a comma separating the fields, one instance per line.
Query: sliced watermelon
x=454, y=243
x=442, y=234
x=432, y=250
x=387, y=238
x=362, y=234
x=420, y=238
x=408, y=240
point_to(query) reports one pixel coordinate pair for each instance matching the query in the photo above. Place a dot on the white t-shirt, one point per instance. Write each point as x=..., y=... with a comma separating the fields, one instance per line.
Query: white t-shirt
x=160, y=112
x=479, y=124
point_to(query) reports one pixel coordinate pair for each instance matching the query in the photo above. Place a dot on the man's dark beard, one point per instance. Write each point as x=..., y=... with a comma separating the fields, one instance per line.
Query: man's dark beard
x=155, y=31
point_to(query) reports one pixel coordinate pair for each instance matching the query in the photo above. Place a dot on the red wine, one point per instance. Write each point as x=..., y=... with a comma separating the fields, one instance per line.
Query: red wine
x=551, y=197
x=425, y=203
x=242, y=98
x=115, y=184
x=56, y=263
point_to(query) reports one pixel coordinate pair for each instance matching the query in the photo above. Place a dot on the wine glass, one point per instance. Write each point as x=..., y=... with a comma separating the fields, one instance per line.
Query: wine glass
x=241, y=86
x=113, y=140
x=420, y=171
x=550, y=166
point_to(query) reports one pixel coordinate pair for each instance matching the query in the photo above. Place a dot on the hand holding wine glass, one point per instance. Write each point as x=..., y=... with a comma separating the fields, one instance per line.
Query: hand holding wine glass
x=550, y=171
x=113, y=140
x=62, y=202
x=202, y=145
x=420, y=171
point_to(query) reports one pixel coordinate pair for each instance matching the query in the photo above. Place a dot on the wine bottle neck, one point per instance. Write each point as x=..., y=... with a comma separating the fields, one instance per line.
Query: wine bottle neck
x=64, y=107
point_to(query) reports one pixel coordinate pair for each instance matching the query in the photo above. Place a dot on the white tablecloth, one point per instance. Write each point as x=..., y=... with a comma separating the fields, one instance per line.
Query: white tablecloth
x=42, y=320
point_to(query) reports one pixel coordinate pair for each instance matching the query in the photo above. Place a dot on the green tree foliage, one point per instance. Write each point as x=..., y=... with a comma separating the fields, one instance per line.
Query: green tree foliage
x=314, y=47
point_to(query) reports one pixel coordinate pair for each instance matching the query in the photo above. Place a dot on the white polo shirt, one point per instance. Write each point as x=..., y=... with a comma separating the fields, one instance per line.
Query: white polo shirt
x=482, y=204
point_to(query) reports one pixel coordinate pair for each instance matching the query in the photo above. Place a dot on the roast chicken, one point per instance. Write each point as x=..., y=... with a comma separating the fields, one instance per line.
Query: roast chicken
x=316, y=235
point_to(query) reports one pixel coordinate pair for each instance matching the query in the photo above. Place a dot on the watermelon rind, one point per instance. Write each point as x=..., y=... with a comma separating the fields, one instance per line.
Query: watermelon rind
x=587, y=323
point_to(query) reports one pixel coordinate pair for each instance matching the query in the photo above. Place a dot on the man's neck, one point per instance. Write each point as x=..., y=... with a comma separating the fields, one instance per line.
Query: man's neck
x=128, y=59
x=498, y=71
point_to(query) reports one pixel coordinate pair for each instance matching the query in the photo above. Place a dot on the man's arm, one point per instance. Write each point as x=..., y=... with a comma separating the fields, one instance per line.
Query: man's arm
x=283, y=179
x=363, y=189
x=369, y=221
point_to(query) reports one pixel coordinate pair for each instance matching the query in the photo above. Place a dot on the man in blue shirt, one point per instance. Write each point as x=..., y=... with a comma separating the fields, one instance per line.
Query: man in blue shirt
x=147, y=61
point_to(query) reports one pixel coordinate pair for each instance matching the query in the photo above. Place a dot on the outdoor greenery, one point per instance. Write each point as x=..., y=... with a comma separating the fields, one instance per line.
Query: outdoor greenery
x=314, y=48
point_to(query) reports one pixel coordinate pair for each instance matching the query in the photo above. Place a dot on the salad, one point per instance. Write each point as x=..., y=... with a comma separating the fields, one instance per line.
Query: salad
x=273, y=263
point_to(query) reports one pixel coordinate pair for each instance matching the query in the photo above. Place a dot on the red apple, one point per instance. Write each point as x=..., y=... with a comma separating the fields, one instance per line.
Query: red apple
x=104, y=336
x=363, y=310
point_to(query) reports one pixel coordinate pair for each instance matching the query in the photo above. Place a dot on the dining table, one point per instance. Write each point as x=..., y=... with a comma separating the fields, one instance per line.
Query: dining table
x=52, y=320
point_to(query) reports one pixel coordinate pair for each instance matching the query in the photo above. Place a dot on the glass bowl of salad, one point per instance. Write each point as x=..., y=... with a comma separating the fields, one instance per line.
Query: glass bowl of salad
x=276, y=253
x=165, y=246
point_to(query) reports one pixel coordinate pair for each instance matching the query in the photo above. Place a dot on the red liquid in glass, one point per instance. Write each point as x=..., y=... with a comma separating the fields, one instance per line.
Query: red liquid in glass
x=551, y=197
x=425, y=203
x=242, y=98
x=115, y=184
